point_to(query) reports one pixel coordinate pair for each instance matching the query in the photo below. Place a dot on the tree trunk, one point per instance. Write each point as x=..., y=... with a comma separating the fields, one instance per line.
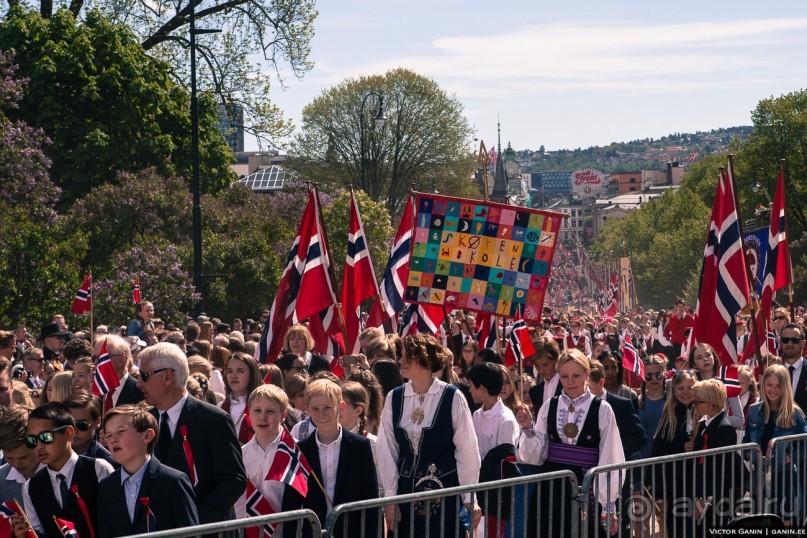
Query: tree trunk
x=46, y=8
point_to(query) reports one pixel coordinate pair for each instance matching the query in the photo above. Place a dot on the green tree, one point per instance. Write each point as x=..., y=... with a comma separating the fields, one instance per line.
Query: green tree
x=425, y=139
x=377, y=230
x=105, y=104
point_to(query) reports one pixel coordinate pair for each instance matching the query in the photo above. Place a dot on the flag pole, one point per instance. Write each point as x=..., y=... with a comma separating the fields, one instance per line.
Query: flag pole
x=369, y=258
x=92, y=306
x=748, y=274
x=782, y=163
x=340, y=317
x=313, y=474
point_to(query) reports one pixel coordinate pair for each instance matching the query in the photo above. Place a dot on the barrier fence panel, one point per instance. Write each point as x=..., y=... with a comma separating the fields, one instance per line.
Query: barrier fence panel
x=231, y=528
x=786, y=478
x=512, y=508
x=672, y=496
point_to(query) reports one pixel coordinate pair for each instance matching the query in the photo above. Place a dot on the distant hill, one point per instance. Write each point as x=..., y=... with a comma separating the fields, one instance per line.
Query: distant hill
x=637, y=155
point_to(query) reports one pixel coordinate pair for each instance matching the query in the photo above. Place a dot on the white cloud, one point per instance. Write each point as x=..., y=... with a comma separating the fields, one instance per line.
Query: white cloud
x=603, y=57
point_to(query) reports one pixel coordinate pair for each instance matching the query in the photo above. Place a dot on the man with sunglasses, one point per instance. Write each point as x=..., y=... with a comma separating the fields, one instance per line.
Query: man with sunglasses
x=120, y=354
x=67, y=488
x=195, y=438
x=792, y=348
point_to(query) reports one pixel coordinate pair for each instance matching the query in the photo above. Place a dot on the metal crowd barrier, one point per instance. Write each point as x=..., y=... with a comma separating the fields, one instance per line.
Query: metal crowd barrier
x=436, y=514
x=786, y=478
x=230, y=527
x=672, y=496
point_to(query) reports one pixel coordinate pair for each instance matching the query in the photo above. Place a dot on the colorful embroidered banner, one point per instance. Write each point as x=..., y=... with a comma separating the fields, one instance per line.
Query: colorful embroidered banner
x=481, y=256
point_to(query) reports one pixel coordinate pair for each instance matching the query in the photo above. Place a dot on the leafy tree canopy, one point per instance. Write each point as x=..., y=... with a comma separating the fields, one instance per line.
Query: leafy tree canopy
x=105, y=105
x=425, y=139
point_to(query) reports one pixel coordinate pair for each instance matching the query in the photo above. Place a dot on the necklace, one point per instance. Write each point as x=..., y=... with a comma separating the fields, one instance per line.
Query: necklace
x=418, y=414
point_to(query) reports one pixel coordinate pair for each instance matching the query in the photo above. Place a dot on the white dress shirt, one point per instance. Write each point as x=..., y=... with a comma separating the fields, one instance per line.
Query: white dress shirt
x=173, y=414
x=550, y=387
x=534, y=449
x=257, y=462
x=467, y=450
x=495, y=427
x=117, y=390
x=796, y=372
x=238, y=410
x=328, y=462
x=102, y=470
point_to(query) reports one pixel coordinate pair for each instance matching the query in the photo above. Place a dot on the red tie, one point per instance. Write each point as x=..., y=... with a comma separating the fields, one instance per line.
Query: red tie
x=108, y=403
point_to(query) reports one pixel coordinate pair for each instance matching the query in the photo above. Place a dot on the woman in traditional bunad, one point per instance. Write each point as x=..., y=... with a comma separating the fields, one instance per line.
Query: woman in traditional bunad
x=574, y=431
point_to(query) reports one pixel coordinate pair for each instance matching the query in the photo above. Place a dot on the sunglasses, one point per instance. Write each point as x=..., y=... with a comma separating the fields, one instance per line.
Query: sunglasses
x=146, y=375
x=779, y=317
x=82, y=425
x=788, y=340
x=658, y=376
x=34, y=359
x=45, y=437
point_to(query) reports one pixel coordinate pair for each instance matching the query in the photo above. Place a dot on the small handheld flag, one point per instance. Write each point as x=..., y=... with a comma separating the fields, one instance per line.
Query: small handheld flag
x=105, y=380
x=136, y=292
x=83, y=301
x=67, y=528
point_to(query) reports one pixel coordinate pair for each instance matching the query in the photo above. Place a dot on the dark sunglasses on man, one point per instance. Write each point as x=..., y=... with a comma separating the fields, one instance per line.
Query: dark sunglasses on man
x=45, y=437
x=789, y=339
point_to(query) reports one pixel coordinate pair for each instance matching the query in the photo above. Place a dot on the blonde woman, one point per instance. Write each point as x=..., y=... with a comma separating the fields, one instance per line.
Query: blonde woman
x=652, y=397
x=509, y=395
x=300, y=342
x=59, y=387
x=776, y=415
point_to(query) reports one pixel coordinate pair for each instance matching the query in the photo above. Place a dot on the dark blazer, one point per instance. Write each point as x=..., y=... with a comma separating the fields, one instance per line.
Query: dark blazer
x=800, y=390
x=129, y=393
x=356, y=480
x=216, y=455
x=170, y=496
x=98, y=451
x=537, y=394
x=319, y=363
x=631, y=431
x=720, y=433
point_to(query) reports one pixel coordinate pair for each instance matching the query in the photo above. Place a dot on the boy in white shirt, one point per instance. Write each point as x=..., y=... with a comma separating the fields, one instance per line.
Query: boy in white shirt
x=497, y=433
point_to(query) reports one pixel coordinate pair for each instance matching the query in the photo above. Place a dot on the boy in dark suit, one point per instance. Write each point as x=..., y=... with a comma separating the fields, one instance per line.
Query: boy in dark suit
x=153, y=496
x=67, y=488
x=341, y=461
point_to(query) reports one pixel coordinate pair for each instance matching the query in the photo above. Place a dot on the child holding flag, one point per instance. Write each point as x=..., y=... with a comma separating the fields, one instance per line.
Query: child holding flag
x=152, y=495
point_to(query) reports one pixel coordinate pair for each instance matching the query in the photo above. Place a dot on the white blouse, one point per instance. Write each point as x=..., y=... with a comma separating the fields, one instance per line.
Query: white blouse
x=494, y=427
x=466, y=453
x=533, y=449
x=257, y=462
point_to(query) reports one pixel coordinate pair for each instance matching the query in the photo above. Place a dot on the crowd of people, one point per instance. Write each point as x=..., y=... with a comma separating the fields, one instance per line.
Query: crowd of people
x=196, y=429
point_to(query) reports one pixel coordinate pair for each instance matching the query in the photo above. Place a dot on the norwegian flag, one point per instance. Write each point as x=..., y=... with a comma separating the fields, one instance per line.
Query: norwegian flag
x=724, y=288
x=632, y=365
x=324, y=328
x=257, y=505
x=289, y=465
x=422, y=318
x=83, y=301
x=136, y=292
x=8, y=509
x=358, y=282
x=729, y=376
x=777, y=272
x=67, y=528
x=305, y=287
x=612, y=297
x=486, y=335
x=519, y=343
x=105, y=380
x=393, y=283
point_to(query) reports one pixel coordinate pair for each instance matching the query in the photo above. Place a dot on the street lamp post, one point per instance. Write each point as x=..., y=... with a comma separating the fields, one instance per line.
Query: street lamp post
x=198, y=271
x=380, y=119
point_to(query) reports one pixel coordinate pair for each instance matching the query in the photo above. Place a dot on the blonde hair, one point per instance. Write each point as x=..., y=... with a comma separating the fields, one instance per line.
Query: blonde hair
x=576, y=356
x=745, y=373
x=785, y=417
x=296, y=329
x=273, y=393
x=513, y=402
x=669, y=422
x=712, y=392
x=356, y=395
x=62, y=383
x=20, y=395
x=326, y=388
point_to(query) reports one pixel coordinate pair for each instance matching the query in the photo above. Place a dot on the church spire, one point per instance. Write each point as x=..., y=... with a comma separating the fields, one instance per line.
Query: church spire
x=500, y=193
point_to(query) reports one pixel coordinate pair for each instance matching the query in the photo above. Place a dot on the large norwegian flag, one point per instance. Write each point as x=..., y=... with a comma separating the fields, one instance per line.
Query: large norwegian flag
x=393, y=283
x=632, y=365
x=612, y=297
x=83, y=301
x=724, y=288
x=324, y=328
x=358, y=282
x=105, y=380
x=305, y=288
x=777, y=272
x=422, y=318
x=289, y=465
x=519, y=343
x=257, y=505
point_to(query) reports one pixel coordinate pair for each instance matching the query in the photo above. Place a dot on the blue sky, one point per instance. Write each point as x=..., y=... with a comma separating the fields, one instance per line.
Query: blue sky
x=569, y=74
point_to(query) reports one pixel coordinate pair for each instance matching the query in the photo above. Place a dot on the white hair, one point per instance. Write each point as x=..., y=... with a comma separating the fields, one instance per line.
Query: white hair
x=167, y=355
